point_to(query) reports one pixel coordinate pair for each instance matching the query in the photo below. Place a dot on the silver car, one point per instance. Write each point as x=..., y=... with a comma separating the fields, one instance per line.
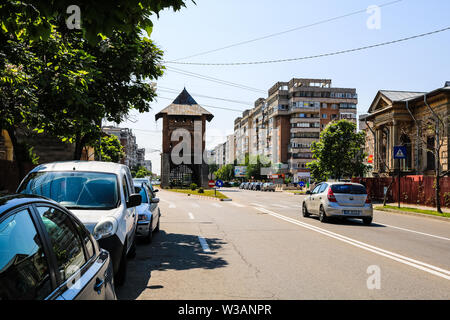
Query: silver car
x=148, y=212
x=338, y=199
x=268, y=186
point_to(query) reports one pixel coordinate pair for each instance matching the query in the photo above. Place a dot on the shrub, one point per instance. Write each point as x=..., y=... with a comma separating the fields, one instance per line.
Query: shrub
x=200, y=190
x=193, y=186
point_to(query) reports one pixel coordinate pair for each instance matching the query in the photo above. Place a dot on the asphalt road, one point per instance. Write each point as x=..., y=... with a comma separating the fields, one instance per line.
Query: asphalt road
x=258, y=246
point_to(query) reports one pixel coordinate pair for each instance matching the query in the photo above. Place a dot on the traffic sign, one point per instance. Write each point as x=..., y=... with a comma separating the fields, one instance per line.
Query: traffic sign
x=211, y=183
x=219, y=183
x=302, y=184
x=399, y=152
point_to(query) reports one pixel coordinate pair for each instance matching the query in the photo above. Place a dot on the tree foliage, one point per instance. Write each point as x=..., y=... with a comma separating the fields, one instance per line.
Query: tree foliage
x=63, y=82
x=338, y=153
x=225, y=173
x=111, y=149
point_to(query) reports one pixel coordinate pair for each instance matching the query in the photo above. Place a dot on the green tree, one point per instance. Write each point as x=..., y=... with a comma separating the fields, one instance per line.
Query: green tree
x=142, y=172
x=338, y=153
x=54, y=81
x=254, y=166
x=225, y=173
x=36, y=18
x=111, y=149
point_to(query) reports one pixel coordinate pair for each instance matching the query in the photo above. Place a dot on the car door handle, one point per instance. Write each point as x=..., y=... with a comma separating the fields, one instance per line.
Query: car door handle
x=98, y=285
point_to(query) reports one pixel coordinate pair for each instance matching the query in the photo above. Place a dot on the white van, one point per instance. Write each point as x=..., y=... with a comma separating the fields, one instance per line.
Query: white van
x=101, y=195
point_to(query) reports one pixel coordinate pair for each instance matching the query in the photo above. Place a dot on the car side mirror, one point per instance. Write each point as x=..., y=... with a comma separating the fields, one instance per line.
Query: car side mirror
x=308, y=192
x=156, y=190
x=154, y=200
x=134, y=200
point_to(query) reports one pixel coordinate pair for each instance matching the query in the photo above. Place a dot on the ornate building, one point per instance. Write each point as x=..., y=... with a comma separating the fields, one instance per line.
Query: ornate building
x=182, y=120
x=417, y=120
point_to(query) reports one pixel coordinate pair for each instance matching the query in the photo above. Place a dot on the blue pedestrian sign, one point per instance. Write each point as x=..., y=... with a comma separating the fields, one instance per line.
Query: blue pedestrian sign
x=302, y=184
x=219, y=183
x=399, y=152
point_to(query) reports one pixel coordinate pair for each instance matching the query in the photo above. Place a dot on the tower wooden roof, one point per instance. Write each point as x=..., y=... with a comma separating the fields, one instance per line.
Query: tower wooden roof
x=184, y=105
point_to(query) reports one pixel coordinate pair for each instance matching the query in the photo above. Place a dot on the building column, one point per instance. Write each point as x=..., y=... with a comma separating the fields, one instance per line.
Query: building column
x=378, y=138
x=394, y=141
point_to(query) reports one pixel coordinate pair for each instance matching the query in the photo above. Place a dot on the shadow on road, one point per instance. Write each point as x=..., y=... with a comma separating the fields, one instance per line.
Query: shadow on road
x=352, y=222
x=169, y=251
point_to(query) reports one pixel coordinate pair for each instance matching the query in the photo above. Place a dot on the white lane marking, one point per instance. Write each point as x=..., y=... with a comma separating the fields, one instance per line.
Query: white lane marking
x=195, y=205
x=216, y=205
x=256, y=204
x=191, y=216
x=237, y=204
x=204, y=244
x=418, y=232
x=279, y=205
x=388, y=254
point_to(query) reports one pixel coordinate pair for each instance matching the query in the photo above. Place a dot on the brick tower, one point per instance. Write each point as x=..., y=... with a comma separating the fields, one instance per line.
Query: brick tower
x=183, y=117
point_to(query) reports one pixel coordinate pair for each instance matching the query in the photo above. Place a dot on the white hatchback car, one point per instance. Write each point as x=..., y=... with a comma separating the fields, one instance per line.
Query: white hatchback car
x=338, y=199
x=101, y=195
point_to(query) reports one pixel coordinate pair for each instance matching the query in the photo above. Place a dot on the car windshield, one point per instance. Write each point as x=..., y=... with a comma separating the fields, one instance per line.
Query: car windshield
x=75, y=190
x=141, y=191
x=348, y=188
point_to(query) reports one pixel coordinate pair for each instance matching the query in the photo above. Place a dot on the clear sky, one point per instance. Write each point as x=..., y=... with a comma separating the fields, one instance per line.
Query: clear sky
x=418, y=65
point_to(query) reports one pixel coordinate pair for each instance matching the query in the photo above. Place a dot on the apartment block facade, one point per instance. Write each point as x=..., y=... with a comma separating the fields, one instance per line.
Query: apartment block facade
x=283, y=125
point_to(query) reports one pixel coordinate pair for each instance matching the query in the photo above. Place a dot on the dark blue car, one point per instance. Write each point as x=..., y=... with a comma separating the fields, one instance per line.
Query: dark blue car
x=47, y=253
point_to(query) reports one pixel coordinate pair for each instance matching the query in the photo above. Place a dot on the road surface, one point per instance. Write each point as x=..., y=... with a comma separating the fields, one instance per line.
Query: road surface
x=258, y=246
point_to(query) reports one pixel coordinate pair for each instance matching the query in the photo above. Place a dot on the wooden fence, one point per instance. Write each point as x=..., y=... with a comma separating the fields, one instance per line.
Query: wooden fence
x=417, y=189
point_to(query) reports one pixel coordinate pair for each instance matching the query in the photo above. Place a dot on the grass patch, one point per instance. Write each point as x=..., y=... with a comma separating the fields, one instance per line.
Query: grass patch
x=206, y=193
x=407, y=209
x=295, y=191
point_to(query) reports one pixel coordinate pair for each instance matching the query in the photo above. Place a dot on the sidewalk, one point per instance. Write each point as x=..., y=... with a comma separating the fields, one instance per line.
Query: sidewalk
x=409, y=205
x=410, y=209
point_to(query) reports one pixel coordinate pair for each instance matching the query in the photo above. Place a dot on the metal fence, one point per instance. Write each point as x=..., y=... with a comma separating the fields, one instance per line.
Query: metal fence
x=417, y=189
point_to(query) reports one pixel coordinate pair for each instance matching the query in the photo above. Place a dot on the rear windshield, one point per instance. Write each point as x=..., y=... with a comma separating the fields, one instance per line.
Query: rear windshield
x=348, y=188
x=75, y=190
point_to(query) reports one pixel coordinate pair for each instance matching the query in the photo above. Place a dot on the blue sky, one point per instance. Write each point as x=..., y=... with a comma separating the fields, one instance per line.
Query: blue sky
x=417, y=65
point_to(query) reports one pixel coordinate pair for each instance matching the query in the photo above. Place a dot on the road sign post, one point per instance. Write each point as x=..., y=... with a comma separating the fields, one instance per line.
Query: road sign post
x=399, y=153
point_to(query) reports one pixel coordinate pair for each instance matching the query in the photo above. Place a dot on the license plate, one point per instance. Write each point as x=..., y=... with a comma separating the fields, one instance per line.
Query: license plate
x=352, y=212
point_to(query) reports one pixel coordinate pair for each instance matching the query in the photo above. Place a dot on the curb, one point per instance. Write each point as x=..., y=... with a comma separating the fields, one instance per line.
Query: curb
x=414, y=214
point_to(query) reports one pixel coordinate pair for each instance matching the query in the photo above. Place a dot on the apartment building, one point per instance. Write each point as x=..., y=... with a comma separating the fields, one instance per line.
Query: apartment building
x=128, y=141
x=283, y=125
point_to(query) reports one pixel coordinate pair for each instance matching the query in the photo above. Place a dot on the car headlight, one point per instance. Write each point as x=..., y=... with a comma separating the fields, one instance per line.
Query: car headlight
x=105, y=228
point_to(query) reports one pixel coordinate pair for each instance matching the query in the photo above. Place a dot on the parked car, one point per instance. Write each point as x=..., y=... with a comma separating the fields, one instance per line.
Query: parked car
x=338, y=199
x=147, y=181
x=148, y=212
x=101, y=195
x=246, y=185
x=257, y=186
x=47, y=253
x=268, y=186
x=250, y=186
x=241, y=186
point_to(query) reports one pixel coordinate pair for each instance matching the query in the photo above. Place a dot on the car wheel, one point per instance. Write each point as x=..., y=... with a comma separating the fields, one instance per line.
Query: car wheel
x=121, y=275
x=149, y=237
x=305, y=211
x=157, y=225
x=322, y=215
x=132, y=252
x=367, y=221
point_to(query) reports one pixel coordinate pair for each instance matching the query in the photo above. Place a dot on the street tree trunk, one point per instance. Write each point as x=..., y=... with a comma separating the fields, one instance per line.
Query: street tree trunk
x=17, y=151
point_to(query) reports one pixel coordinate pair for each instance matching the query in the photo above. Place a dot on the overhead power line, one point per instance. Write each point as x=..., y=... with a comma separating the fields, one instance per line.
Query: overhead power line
x=170, y=90
x=314, y=56
x=286, y=31
x=205, y=105
x=215, y=80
